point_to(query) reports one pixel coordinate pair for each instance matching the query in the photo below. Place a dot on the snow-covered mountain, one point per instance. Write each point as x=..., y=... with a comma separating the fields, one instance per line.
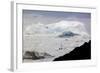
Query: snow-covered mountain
x=44, y=38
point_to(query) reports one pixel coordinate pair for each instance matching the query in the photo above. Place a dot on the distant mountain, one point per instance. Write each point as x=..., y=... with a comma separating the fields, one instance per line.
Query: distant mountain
x=79, y=53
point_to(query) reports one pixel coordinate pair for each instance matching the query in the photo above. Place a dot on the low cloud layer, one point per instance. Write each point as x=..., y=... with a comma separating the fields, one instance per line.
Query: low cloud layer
x=56, y=28
x=32, y=18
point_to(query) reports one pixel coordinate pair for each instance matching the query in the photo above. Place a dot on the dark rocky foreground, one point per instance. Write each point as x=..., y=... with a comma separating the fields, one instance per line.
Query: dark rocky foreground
x=79, y=53
x=33, y=55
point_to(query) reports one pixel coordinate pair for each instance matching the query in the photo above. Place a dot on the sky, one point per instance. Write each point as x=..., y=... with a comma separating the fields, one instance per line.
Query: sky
x=33, y=17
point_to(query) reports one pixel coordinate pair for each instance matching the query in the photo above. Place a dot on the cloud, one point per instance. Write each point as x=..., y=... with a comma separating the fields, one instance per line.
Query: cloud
x=56, y=28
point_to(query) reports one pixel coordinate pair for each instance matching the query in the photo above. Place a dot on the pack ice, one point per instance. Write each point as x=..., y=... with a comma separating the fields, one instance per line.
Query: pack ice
x=49, y=41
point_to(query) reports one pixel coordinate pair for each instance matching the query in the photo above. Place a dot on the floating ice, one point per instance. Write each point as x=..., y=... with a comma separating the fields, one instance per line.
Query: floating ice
x=43, y=38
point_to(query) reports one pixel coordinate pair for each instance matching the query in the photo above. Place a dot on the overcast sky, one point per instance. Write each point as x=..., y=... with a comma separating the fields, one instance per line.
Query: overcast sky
x=31, y=17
